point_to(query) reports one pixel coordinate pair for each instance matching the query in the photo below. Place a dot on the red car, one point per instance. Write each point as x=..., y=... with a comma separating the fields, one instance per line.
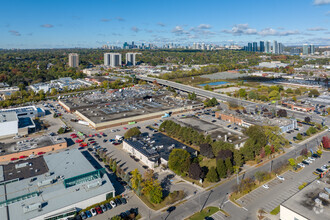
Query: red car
x=98, y=210
x=92, y=142
x=22, y=157
x=101, y=133
x=79, y=141
x=91, y=135
x=41, y=153
x=125, y=128
x=83, y=144
x=73, y=134
x=14, y=158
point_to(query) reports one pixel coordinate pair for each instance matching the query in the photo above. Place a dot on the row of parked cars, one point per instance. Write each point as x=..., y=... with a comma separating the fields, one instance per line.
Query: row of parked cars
x=102, y=208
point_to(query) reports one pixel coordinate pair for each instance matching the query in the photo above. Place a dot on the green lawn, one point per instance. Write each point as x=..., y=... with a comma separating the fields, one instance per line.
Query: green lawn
x=206, y=212
x=208, y=163
x=275, y=211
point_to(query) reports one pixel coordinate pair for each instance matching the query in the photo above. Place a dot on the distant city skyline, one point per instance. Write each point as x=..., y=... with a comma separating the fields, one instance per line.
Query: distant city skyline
x=91, y=24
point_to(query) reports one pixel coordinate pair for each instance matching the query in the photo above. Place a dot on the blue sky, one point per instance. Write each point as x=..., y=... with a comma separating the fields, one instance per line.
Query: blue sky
x=72, y=23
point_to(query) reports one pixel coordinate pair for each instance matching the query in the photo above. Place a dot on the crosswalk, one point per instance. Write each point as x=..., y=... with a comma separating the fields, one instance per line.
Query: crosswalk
x=280, y=195
x=218, y=216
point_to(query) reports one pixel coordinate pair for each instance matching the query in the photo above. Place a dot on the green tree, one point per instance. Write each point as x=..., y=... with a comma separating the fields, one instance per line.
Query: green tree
x=292, y=162
x=238, y=159
x=221, y=168
x=156, y=194
x=299, y=136
x=212, y=175
x=242, y=93
x=253, y=95
x=61, y=130
x=179, y=161
x=136, y=179
x=313, y=93
x=229, y=166
x=117, y=217
x=274, y=94
x=53, y=91
x=268, y=151
x=114, y=166
x=41, y=94
x=132, y=132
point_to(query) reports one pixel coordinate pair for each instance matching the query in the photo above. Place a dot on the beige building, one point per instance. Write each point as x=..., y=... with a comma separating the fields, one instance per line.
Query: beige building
x=73, y=60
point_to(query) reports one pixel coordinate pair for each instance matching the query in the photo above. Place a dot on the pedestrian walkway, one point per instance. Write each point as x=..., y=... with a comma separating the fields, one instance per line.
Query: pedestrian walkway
x=218, y=216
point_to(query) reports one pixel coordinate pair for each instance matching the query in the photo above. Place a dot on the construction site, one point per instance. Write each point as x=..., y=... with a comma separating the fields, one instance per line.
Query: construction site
x=102, y=110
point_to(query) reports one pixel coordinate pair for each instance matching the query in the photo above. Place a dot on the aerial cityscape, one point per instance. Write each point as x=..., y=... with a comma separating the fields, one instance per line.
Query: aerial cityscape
x=165, y=110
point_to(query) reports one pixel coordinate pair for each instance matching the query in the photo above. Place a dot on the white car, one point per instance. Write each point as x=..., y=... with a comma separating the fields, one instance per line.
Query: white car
x=311, y=158
x=280, y=177
x=265, y=186
x=301, y=164
x=113, y=204
x=93, y=211
x=309, y=161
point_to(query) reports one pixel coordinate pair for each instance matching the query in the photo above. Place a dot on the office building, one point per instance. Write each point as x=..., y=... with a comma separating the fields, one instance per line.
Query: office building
x=107, y=59
x=295, y=51
x=255, y=47
x=305, y=49
x=8, y=124
x=249, y=47
x=275, y=47
x=312, y=49
x=130, y=59
x=262, y=46
x=268, y=47
x=73, y=60
x=280, y=48
x=53, y=186
x=112, y=59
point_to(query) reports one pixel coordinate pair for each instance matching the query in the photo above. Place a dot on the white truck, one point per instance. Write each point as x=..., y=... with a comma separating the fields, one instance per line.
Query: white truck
x=83, y=122
x=119, y=137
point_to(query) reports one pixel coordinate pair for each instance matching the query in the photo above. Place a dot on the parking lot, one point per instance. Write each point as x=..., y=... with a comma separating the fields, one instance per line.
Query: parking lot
x=279, y=190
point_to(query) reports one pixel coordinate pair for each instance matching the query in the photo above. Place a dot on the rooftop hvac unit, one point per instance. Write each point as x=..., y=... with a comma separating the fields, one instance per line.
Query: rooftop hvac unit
x=45, y=182
x=32, y=207
x=21, y=165
x=94, y=184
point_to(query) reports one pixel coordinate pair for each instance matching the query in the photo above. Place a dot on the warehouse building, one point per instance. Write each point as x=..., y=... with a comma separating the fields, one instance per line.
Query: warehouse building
x=54, y=186
x=312, y=202
x=30, y=148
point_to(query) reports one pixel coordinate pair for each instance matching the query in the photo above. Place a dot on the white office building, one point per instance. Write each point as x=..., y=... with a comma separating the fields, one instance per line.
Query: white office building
x=268, y=47
x=8, y=124
x=130, y=59
x=73, y=60
x=112, y=59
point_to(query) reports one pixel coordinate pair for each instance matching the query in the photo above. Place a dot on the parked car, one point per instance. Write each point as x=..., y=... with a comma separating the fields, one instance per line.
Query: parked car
x=123, y=200
x=89, y=214
x=280, y=177
x=98, y=210
x=315, y=156
x=265, y=186
x=83, y=215
x=301, y=164
x=305, y=162
x=104, y=209
x=113, y=204
x=105, y=140
x=93, y=211
x=118, y=202
x=311, y=158
x=108, y=206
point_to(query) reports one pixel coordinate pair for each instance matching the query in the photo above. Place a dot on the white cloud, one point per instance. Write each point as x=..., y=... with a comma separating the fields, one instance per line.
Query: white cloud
x=317, y=29
x=161, y=24
x=47, y=25
x=15, y=33
x=204, y=26
x=105, y=19
x=244, y=29
x=321, y=2
x=135, y=29
x=178, y=30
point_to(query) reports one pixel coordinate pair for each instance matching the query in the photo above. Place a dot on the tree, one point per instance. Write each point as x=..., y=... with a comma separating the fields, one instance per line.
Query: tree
x=253, y=95
x=260, y=175
x=156, y=194
x=229, y=166
x=195, y=171
x=282, y=113
x=238, y=159
x=132, y=132
x=313, y=93
x=274, y=94
x=307, y=119
x=224, y=154
x=114, y=166
x=117, y=217
x=326, y=142
x=179, y=161
x=297, y=91
x=304, y=152
x=268, y=150
x=53, y=91
x=61, y=130
x=149, y=174
x=292, y=162
x=212, y=175
x=221, y=168
x=41, y=94
x=136, y=179
x=242, y=93
x=206, y=150
x=299, y=136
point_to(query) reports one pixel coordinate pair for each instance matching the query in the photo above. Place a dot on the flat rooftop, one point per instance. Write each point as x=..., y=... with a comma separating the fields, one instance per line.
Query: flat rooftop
x=25, y=169
x=54, y=196
x=125, y=103
x=30, y=143
x=157, y=145
x=304, y=202
x=7, y=116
